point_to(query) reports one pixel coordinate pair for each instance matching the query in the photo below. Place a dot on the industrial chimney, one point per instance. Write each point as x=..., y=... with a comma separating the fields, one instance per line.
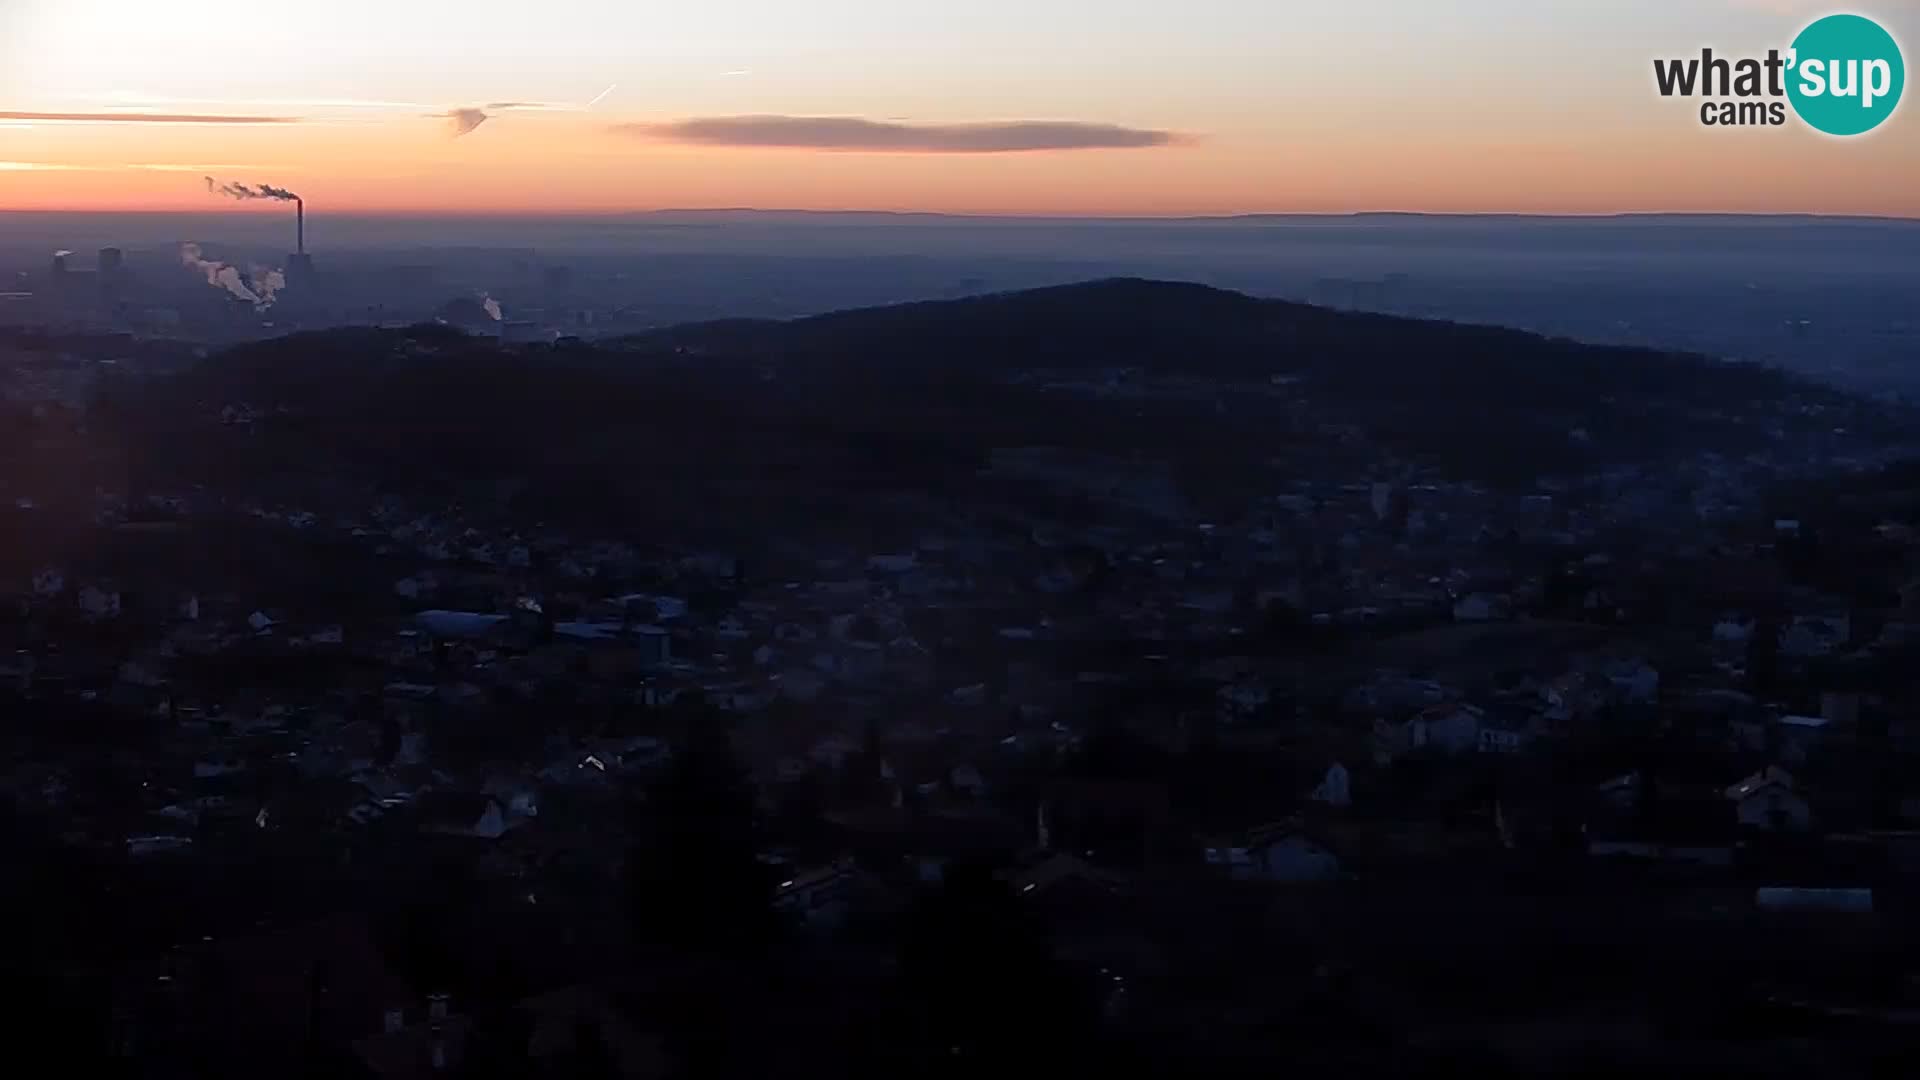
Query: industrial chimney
x=299, y=264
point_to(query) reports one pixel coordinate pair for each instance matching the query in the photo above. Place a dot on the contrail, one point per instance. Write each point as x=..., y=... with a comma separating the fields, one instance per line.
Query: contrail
x=464, y=121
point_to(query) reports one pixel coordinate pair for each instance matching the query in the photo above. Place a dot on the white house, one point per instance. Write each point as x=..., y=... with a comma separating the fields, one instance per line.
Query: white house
x=1499, y=740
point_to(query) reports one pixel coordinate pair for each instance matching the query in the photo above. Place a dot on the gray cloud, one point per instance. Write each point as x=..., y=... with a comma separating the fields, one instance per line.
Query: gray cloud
x=853, y=133
x=145, y=118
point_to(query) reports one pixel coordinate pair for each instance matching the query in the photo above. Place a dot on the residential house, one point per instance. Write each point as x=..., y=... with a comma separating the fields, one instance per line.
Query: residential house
x=1678, y=824
x=1446, y=729
x=1243, y=700
x=258, y=1003
x=1635, y=682
x=1622, y=793
x=1062, y=879
x=1276, y=852
x=1768, y=800
x=825, y=897
x=1577, y=696
x=1796, y=736
x=1482, y=607
x=1390, y=693
x=1824, y=901
x=99, y=603
x=1815, y=635
x=1336, y=788
x=435, y=1046
x=561, y=1017
x=1495, y=739
x=461, y=813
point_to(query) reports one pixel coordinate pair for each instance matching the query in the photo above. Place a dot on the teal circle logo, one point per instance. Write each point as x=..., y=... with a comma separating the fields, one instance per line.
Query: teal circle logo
x=1845, y=75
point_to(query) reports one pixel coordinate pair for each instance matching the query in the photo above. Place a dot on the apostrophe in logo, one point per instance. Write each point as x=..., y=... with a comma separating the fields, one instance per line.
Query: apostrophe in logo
x=1847, y=75
x=1843, y=75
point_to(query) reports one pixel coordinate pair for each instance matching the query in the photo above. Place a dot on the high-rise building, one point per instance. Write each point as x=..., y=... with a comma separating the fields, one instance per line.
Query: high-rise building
x=112, y=261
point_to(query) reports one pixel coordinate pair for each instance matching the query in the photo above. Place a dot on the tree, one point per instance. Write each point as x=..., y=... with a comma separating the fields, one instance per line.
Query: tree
x=693, y=875
x=982, y=986
x=1763, y=655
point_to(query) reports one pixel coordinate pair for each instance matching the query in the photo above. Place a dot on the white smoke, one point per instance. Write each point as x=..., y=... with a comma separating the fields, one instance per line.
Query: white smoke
x=267, y=282
x=258, y=288
x=492, y=306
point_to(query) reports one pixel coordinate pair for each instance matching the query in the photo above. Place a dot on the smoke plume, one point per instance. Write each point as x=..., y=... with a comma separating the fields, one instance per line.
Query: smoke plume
x=267, y=283
x=493, y=308
x=242, y=191
x=259, y=287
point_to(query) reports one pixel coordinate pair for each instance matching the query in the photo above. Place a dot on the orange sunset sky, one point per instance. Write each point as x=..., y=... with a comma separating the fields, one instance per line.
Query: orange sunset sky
x=1037, y=107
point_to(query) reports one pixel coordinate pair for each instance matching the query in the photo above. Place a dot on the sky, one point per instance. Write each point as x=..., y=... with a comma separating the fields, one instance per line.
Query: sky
x=1124, y=107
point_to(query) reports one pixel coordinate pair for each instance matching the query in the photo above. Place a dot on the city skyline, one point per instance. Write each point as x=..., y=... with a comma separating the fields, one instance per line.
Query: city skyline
x=1220, y=107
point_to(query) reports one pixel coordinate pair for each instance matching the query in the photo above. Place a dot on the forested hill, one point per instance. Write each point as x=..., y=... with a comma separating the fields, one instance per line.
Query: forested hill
x=1177, y=327
x=917, y=397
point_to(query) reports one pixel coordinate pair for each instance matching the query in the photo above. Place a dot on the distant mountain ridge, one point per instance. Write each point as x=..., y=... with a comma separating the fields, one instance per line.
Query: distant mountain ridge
x=752, y=214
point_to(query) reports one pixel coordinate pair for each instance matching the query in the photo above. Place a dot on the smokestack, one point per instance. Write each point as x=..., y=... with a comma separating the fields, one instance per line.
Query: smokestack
x=300, y=226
